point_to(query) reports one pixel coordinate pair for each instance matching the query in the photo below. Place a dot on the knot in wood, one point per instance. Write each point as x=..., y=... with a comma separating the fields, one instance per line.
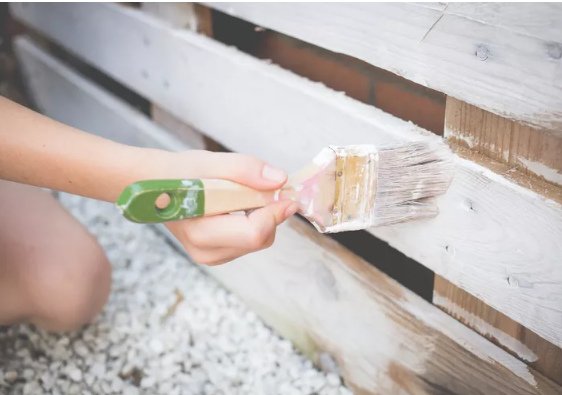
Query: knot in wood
x=482, y=52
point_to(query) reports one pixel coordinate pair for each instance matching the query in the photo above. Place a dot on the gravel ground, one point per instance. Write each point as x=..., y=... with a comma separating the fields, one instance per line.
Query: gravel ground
x=168, y=329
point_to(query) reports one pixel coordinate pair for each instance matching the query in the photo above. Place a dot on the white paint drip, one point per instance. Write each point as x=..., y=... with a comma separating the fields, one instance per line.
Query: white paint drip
x=483, y=327
x=542, y=170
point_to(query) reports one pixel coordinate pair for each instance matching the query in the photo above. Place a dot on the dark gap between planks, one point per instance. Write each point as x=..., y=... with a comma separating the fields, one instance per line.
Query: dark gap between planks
x=358, y=79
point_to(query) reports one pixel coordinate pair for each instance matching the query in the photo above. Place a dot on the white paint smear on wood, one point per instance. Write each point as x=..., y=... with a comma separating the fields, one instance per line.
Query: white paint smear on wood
x=542, y=170
x=492, y=238
x=311, y=289
x=496, y=57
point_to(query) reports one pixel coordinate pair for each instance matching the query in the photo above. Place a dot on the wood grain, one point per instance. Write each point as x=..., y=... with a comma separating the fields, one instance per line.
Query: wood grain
x=530, y=153
x=500, y=329
x=338, y=309
x=505, y=59
x=509, y=261
x=535, y=151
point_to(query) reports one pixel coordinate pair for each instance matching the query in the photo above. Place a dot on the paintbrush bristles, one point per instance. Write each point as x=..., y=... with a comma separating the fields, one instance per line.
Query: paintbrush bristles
x=409, y=177
x=359, y=186
x=385, y=185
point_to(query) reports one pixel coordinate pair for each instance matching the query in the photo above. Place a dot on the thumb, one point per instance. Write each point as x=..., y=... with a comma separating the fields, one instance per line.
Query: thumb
x=244, y=169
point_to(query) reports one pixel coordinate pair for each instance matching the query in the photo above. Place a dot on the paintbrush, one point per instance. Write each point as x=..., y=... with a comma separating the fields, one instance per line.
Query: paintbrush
x=344, y=188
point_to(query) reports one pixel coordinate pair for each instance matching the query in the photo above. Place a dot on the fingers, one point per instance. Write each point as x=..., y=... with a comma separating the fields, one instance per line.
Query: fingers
x=243, y=169
x=218, y=239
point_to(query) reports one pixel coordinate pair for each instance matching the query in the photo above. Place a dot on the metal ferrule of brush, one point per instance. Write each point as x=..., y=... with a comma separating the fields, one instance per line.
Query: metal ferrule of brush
x=356, y=174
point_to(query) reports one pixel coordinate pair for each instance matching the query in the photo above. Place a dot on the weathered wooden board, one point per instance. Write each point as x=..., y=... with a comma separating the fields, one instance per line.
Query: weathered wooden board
x=517, y=146
x=505, y=59
x=335, y=306
x=109, y=118
x=177, y=128
x=181, y=15
x=535, y=151
x=529, y=19
x=526, y=345
x=512, y=262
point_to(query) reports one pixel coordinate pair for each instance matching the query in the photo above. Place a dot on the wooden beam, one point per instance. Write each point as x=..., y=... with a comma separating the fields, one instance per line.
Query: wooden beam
x=179, y=15
x=341, y=311
x=530, y=19
x=531, y=156
x=177, y=128
x=499, y=329
x=511, y=259
x=506, y=63
x=534, y=151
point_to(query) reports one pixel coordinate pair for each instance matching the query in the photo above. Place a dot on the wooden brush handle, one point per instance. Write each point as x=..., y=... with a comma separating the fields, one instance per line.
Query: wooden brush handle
x=187, y=199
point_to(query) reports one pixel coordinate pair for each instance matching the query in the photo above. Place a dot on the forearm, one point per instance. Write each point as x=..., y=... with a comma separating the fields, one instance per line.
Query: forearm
x=39, y=151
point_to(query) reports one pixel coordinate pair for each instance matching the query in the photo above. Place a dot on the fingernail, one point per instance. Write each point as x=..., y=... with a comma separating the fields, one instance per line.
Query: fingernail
x=272, y=174
x=291, y=210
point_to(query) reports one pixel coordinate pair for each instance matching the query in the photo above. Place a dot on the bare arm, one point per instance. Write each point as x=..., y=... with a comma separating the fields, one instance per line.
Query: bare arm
x=39, y=151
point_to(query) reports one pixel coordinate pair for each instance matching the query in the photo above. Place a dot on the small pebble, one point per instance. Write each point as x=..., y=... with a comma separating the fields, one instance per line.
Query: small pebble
x=10, y=376
x=130, y=390
x=74, y=373
x=333, y=380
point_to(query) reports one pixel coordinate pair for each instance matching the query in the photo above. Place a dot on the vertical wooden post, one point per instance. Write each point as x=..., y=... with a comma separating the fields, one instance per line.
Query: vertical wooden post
x=534, y=154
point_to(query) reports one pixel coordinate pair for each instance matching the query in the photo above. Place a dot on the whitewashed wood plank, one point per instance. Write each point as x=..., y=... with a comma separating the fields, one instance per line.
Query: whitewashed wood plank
x=180, y=15
x=500, y=242
x=71, y=99
x=499, y=58
x=540, y=20
x=335, y=306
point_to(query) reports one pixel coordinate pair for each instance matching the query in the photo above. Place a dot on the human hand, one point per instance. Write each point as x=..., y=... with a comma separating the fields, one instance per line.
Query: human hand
x=222, y=238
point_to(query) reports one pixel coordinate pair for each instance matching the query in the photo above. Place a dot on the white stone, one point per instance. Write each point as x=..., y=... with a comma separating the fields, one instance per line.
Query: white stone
x=333, y=379
x=81, y=349
x=73, y=373
x=11, y=376
x=147, y=382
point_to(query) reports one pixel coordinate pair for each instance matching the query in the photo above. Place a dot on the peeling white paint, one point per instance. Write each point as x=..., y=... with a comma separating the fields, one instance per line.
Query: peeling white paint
x=542, y=170
x=483, y=327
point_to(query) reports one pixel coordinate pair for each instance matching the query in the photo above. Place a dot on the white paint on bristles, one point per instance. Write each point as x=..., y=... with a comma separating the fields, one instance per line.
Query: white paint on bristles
x=264, y=109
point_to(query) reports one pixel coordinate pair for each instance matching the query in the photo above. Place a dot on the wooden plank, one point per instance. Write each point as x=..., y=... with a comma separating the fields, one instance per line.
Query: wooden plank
x=526, y=345
x=179, y=15
x=337, y=308
x=530, y=19
x=508, y=65
x=108, y=116
x=537, y=152
x=518, y=146
x=500, y=329
x=509, y=261
x=177, y=128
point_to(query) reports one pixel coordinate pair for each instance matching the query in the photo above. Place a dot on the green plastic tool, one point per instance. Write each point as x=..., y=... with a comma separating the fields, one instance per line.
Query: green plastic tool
x=138, y=200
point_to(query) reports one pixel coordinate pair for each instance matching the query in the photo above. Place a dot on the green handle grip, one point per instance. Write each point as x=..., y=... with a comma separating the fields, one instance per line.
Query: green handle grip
x=138, y=200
